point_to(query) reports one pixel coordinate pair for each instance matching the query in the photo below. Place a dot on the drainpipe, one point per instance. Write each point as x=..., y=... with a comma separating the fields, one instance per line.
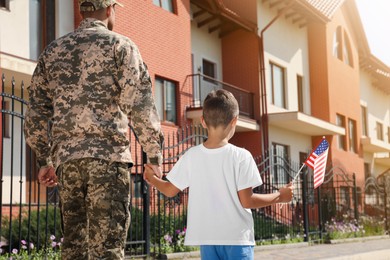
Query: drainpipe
x=263, y=88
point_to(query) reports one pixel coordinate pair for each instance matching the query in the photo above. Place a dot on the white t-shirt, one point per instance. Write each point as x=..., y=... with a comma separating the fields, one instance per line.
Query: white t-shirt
x=214, y=176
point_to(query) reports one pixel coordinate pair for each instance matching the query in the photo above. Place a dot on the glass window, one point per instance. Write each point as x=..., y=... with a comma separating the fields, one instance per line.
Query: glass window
x=3, y=4
x=364, y=120
x=278, y=85
x=388, y=134
x=379, y=131
x=300, y=93
x=352, y=135
x=281, y=164
x=209, y=68
x=340, y=121
x=347, y=53
x=165, y=93
x=337, y=43
x=165, y=4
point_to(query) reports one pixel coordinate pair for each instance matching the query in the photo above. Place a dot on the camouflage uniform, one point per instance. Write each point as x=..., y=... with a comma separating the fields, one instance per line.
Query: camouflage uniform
x=87, y=84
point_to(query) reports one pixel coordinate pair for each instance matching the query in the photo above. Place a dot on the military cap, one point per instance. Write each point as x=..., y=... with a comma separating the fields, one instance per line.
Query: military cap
x=96, y=4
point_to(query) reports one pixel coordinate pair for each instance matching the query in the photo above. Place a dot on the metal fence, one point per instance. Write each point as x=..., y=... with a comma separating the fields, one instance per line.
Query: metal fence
x=30, y=213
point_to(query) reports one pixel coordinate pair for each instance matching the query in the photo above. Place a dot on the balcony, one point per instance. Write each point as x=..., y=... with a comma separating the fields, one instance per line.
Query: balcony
x=305, y=124
x=202, y=85
x=382, y=159
x=374, y=145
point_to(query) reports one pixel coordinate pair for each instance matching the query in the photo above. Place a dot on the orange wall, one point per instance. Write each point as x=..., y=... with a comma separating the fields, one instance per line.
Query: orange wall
x=335, y=88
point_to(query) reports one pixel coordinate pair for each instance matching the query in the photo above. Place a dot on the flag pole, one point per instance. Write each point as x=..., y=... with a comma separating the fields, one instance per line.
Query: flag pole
x=295, y=177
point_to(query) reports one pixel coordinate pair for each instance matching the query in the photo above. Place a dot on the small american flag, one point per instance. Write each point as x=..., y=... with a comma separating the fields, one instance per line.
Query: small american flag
x=317, y=161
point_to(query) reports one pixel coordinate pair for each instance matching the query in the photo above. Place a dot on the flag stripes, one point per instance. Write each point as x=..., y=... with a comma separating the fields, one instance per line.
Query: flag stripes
x=317, y=161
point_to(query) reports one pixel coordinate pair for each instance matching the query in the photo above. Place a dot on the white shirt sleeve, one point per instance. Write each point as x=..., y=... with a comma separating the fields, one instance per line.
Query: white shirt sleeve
x=179, y=175
x=248, y=174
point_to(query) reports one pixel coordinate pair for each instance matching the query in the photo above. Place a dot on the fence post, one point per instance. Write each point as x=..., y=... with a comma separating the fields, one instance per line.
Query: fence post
x=385, y=202
x=146, y=206
x=355, y=197
x=305, y=208
x=319, y=211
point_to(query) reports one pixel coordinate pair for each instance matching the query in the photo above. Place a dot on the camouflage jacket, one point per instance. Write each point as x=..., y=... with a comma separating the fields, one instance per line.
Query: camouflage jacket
x=84, y=88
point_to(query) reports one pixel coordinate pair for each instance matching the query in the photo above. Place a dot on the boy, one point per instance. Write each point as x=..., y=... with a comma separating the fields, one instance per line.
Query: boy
x=220, y=177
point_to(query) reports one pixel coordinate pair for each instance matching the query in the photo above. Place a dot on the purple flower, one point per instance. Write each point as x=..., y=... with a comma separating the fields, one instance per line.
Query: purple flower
x=31, y=246
x=14, y=251
x=168, y=238
x=23, y=242
x=53, y=244
x=52, y=237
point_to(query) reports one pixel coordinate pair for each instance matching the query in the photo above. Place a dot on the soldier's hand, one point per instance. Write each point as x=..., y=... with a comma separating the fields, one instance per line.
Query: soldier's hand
x=47, y=176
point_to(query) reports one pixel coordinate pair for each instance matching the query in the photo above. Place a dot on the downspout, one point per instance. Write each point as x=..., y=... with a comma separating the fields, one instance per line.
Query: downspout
x=263, y=87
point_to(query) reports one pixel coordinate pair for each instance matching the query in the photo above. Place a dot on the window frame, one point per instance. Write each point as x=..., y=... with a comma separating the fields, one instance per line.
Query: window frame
x=163, y=110
x=160, y=4
x=4, y=4
x=279, y=179
x=364, y=120
x=300, y=93
x=379, y=131
x=352, y=135
x=281, y=88
x=209, y=64
x=341, y=139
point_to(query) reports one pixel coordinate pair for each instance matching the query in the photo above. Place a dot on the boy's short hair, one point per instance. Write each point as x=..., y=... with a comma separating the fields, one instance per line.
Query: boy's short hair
x=219, y=108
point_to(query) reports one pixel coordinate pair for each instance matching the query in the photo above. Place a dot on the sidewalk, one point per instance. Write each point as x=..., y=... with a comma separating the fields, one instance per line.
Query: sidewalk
x=370, y=248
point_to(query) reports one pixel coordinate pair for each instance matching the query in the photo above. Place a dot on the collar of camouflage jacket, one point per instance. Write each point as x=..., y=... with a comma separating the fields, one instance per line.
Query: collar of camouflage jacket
x=91, y=22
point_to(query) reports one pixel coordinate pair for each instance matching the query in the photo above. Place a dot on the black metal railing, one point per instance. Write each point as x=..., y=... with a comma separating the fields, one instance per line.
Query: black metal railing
x=202, y=85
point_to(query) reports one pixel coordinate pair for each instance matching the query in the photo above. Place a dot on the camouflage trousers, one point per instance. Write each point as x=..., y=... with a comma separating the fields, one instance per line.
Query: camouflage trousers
x=94, y=198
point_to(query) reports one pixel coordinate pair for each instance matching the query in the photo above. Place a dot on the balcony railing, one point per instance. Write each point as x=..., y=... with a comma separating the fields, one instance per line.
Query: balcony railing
x=202, y=85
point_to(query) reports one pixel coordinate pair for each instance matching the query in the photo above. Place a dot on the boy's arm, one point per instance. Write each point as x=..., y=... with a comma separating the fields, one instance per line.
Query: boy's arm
x=252, y=200
x=165, y=187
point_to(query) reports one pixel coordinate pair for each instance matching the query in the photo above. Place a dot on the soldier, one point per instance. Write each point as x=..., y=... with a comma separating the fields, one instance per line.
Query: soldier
x=85, y=87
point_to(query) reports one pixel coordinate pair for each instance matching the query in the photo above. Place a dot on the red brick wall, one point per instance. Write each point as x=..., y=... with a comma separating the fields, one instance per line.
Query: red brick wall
x=164, y=40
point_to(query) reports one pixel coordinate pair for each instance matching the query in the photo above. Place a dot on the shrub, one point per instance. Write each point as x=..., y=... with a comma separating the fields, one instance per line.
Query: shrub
x=35, y=228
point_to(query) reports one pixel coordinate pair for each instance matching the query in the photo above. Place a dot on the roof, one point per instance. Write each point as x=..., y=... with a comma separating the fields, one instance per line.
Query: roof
x=326, y=7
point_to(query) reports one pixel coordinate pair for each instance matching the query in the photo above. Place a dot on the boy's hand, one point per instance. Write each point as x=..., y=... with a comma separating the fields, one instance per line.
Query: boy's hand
x=286, y=193
x=149, y=174
x=156, y=169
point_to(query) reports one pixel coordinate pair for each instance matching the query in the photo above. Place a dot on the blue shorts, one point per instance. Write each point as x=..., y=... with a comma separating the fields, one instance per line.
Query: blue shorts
x=216, y=252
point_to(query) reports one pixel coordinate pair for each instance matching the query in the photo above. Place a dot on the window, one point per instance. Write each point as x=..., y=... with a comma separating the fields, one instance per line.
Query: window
x=300, y=93
x=3, y=3
x=165, y=4
x=388, y=134
x=340, y=121
x=367, y=172
x=352, y=135
x=337, y=43
x=209, y=69
x=278, y=85
x=342, y=46
x=281, y=164
x=165, y=93
x=364, y=120
x=379, y=131
x=347, y=54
